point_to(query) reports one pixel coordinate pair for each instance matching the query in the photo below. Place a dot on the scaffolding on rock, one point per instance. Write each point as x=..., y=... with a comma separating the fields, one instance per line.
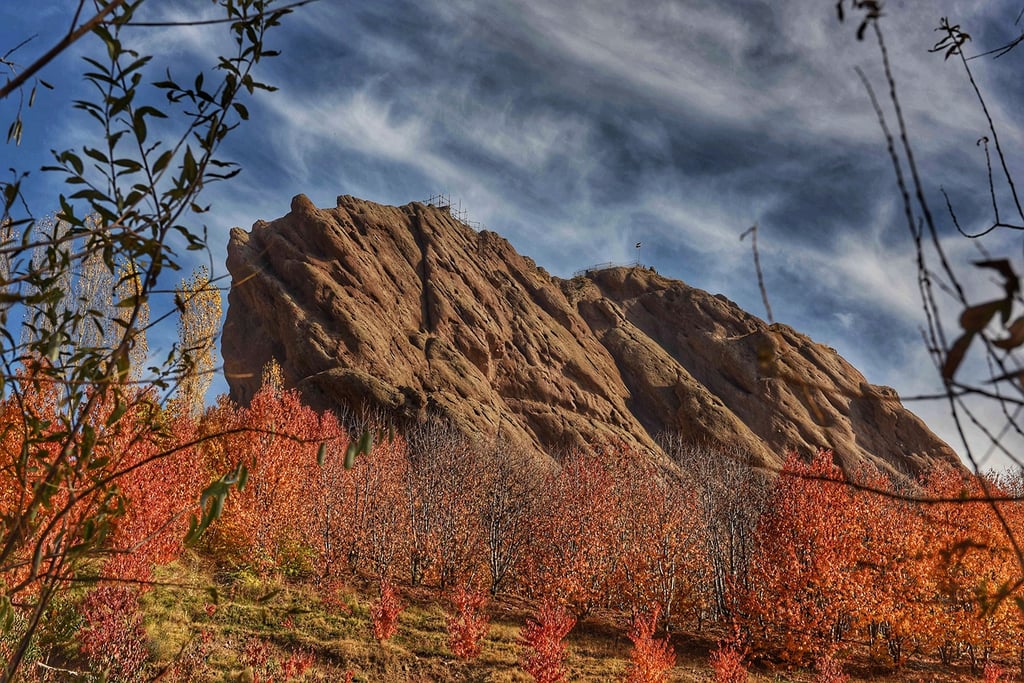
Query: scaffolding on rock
x=443, y=200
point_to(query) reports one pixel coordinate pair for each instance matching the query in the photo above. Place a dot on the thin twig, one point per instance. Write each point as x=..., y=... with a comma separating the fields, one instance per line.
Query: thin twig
x=752, y=231
x=63, y=44
x=209, y=22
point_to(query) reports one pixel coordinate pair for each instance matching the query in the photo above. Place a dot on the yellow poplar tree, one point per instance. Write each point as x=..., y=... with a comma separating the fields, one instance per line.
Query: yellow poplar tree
x=199, y=303
x=272, y=376
x=94, y=297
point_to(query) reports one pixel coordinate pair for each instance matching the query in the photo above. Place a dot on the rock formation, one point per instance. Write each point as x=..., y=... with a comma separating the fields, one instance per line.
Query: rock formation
x=409, y=310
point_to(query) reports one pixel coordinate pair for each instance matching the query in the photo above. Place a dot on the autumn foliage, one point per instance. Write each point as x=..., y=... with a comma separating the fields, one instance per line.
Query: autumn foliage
x=803, y=567
x=728, y=663
x=385, y=612
x=113, y=638
x=652, y=658
x=543, y=655
x=468, y=624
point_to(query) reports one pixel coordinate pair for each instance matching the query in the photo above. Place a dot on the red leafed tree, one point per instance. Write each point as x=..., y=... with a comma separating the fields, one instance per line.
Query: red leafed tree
x=574, y=552
x=651, y=659
x=657, y=533
x=972, y=568
x=468, y=625
x=137, y=483
x=22, y=474
x=385, y=611
x=893, y=602
x=162, y=476
x=271, y=522
x=796, y=605
x=543, y=655
x=119, y=507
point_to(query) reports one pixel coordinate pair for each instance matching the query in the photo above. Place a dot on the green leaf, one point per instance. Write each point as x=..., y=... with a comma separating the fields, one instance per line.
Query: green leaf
x=366, y=442
x=37, y=559
x=88, y=441
x=190, y=169
x=14, y=132
x=99, y=463
x=7, y=614
x=130, y=164
x=150, y=111
x=267, y=597
x=117, y=413
x=95, y=154
x=123, y=363
x=139, y=124
x=162, y=161
x=73, y=160
x=350, y=454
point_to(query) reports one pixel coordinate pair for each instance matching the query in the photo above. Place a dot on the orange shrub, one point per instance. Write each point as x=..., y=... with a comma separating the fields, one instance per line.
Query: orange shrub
x=544, y=652
x=468, y=625
x=652, y=658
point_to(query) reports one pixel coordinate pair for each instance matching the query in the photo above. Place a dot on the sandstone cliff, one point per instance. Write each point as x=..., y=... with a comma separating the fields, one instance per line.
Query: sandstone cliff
x=407, y=309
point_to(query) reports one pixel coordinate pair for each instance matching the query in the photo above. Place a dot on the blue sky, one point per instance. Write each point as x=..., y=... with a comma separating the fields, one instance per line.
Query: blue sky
x=577, y=128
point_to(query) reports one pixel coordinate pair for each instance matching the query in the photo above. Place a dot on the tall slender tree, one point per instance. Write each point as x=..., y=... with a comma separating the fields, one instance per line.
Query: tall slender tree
x=200, y=306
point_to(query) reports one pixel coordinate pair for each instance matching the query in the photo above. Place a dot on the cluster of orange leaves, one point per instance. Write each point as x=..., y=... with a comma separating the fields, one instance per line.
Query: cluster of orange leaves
x=924, y=568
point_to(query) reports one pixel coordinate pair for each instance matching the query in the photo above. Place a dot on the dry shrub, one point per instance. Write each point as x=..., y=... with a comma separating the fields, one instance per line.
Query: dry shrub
x=829, y=669
x=996, y=674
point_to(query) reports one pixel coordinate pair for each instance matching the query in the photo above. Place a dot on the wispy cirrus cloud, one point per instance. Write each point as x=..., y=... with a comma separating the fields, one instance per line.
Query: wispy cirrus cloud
x=578, y=128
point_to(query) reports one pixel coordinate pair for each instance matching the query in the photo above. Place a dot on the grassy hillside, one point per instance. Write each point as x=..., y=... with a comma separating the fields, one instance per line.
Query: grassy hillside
x=263, y=629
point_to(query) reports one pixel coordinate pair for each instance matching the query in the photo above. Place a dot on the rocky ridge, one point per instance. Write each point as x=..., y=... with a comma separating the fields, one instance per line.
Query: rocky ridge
x=407, y=309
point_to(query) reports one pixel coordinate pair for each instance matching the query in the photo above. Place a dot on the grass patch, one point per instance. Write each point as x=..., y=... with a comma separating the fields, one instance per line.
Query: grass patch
x=206, y=624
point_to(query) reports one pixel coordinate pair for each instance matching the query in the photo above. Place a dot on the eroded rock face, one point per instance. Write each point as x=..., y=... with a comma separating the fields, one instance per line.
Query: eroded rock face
x=408, y=310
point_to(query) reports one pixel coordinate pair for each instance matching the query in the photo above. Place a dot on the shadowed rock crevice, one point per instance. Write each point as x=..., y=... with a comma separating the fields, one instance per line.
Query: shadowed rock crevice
x=423, y=270
x=408, y=310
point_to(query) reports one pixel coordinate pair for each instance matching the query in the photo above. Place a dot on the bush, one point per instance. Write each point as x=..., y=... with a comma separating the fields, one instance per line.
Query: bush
x=996, y=674
x=544, y=653
x=113, y=639
x=829, y=669
x=468, y=626
x=385, y=612
x=727, y=663
x=652, y=658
